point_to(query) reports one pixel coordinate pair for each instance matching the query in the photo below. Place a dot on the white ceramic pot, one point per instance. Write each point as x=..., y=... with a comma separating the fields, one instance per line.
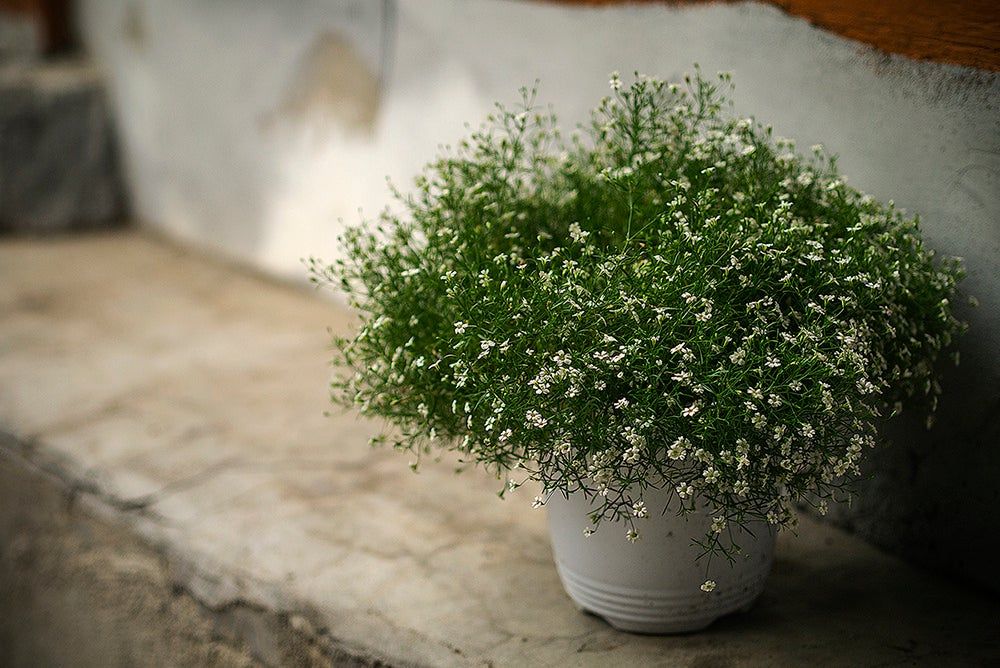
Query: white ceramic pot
x=654, y=584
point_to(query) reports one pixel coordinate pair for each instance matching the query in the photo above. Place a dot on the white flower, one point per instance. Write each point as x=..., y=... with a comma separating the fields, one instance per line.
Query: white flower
x=538, y=502
x=639, y=509
x=708, y=586
x=632, y=535
x=718, y=524
x=691, y=410
x=535, y=419
x=685, y=490
x=615, y=81
x=460, y=327
x=577, y=234
x=679, y=448
x=632, y=455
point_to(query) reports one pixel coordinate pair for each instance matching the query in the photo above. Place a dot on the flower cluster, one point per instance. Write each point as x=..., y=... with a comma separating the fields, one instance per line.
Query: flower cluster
x=670, y=297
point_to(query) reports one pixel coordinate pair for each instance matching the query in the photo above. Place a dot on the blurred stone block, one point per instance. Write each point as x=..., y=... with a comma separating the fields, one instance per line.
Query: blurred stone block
x=20, y=38
x=58, y=164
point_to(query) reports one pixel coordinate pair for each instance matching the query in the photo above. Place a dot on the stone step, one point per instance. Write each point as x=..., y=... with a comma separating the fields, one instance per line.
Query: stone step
x=170, y=493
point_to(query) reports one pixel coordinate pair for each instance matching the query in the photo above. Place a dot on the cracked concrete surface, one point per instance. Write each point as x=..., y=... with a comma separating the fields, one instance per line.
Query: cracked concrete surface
x=170, y=488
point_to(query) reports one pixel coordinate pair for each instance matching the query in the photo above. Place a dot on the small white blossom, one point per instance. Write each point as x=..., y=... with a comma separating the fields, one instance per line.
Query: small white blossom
x=632, y=455
x=535, y=419
x=681, y=376
x=678, y=450
x=685, y=490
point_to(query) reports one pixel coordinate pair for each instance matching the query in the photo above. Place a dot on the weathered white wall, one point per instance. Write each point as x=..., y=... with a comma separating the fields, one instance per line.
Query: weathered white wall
x=251, y=127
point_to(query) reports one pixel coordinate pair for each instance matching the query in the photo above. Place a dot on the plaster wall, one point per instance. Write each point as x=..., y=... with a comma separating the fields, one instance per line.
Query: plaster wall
x=252, y=128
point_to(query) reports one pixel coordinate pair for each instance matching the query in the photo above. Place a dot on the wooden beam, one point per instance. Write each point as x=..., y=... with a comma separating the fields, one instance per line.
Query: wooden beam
x=960, y=32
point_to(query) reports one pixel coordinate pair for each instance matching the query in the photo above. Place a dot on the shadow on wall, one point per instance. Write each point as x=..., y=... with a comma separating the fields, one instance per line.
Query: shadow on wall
x=930, y=495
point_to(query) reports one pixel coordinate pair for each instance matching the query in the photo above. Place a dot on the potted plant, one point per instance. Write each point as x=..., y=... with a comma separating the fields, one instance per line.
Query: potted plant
x=675, y=325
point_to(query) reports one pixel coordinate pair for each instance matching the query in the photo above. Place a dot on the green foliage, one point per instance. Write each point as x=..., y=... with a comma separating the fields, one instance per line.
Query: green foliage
x=670, y=297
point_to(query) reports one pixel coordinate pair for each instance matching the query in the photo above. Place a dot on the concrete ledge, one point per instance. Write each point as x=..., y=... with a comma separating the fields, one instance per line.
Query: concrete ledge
x=170, y=492
x=80, y=589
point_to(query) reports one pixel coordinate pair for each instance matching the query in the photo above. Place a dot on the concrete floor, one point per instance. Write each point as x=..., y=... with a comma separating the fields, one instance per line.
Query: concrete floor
x=170, y=493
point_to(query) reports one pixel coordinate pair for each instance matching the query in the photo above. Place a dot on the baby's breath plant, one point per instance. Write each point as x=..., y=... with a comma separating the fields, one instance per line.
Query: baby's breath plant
x=671, y=297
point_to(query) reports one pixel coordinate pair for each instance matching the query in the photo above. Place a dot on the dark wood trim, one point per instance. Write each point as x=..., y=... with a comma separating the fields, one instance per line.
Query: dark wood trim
x=53, y=18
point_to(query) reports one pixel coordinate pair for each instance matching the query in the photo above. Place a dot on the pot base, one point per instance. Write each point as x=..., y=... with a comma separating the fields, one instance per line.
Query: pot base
x=658, y=612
